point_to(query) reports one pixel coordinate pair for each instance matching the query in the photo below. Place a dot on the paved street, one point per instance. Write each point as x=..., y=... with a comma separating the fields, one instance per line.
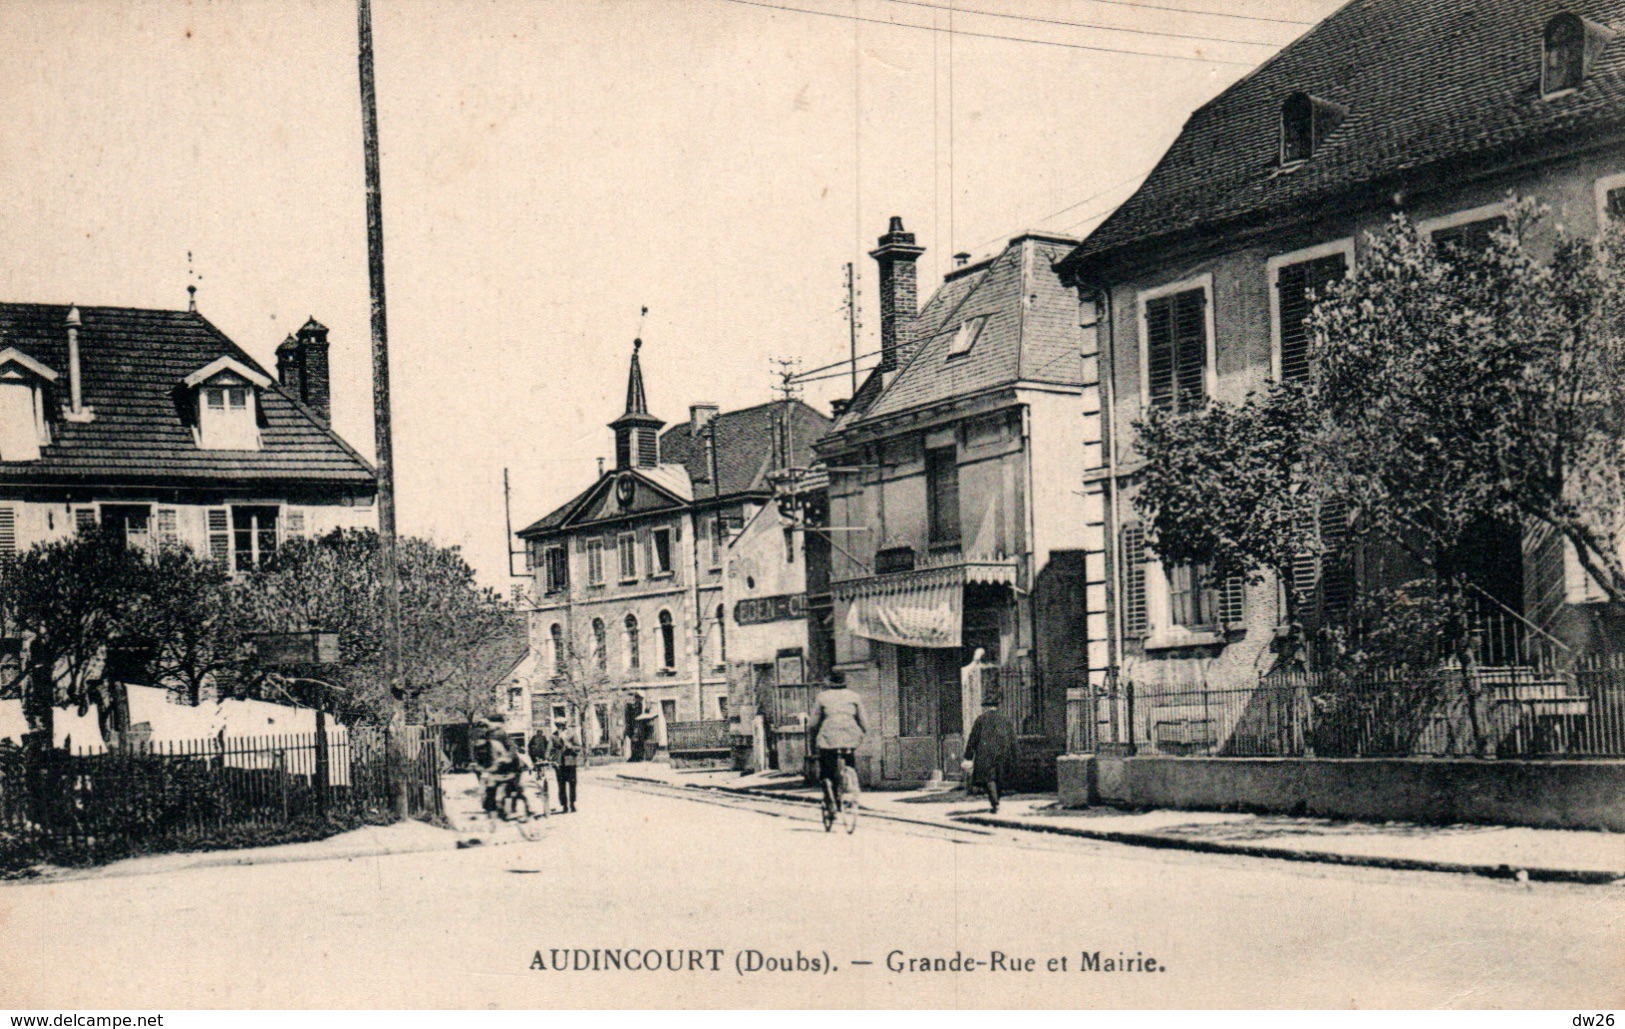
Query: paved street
x=642, y=868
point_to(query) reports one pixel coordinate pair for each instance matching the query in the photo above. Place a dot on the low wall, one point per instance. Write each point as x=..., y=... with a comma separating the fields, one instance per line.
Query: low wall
x=1546, y=794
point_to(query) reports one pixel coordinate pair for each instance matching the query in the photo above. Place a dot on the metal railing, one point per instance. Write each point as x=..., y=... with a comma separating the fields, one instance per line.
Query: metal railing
x=92, y=803
x=1513, y=712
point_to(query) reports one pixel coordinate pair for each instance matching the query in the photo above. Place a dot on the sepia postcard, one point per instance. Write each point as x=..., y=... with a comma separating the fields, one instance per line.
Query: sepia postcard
x=811, y=504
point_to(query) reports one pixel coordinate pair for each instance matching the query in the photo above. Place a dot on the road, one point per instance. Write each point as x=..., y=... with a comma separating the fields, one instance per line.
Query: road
x=651, y=870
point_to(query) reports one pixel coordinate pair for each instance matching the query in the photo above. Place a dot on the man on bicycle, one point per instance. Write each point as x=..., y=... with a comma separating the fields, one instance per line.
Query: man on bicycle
x=836, y=729
x=498, y=766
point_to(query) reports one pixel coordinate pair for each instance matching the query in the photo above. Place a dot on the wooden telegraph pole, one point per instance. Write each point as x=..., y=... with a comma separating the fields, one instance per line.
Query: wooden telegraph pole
x=380, y=382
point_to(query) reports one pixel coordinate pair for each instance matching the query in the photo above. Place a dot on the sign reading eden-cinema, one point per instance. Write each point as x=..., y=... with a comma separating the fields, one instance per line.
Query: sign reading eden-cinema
x=757, y=610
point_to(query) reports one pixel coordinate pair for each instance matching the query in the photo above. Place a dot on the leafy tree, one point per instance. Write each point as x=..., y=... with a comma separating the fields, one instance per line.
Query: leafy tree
x=1451, y=390
x=334, y=584
x=1226, y=486
x=68, y=599
x=1457, y=388
x=190, y=613
x=489, y=641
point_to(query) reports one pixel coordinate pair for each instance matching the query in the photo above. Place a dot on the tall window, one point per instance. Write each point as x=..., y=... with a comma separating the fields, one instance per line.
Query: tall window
x=1176, y=349
x=1298, y=287
x=595, y=562
x=942, y=495
x=556, y=638
x=226, y=421
x=557, y=569
x=1613, y=204
x=600, y=644
x=668, y=642
x=253, y=532
x=660, y=552
x=1192, y=604
x=628, y=545
x=634, y=655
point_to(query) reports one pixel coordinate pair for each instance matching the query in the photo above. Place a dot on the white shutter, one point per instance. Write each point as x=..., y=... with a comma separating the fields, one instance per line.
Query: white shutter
x=220, y=536
x=293, y=522
x=168, y=527
x=8, y=531
x=1233, y=601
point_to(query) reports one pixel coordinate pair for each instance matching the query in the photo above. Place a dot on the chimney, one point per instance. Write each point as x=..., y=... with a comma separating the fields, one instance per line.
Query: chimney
x=839, y=407
x=700, y=415
x=961, y=259
x=899, y=294
x=77, y=411
x=301, y=367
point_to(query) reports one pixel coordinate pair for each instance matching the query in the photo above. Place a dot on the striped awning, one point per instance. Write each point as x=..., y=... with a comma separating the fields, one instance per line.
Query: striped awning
x=922, y=608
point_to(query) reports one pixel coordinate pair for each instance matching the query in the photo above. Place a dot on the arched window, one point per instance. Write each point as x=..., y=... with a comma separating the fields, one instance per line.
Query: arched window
x=634, y=658
x=600, y=645
x=556, y=636
x=668, y=642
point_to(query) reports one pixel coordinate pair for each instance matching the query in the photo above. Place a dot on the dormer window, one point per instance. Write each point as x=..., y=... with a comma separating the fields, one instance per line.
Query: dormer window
x=1570, y=46
x=965, y=338
x=227, y=405
x=23, y=428
x=1306, y=121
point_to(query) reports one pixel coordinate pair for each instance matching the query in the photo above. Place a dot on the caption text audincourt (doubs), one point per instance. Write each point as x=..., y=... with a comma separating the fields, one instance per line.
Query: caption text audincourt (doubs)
x=809, y=961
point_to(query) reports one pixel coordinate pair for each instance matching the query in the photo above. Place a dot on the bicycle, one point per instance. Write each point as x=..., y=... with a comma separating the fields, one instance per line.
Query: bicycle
x=509, y=803
x=841, y=799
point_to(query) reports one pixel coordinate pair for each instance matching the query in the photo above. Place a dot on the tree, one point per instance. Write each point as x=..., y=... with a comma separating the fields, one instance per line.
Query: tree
x=1451, y=389
x=190, y=613
x=68, y=599
x=333, y=584
x=1458, y=387
x=1226, y=486
x=474, y=684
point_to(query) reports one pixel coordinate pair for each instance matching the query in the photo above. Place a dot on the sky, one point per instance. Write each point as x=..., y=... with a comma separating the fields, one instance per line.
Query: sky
x=550, y=168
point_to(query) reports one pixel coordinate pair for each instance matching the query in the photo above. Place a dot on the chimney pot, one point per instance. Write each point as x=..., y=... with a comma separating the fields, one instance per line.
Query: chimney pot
x=961, y=259
x=899, y=293
x=77, y=411
x=302, y=368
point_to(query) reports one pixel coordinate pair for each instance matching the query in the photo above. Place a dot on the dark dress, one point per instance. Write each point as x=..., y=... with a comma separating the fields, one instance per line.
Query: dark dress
x=992, y=748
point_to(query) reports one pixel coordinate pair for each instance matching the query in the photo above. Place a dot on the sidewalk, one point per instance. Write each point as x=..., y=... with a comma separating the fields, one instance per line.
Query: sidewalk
x=1541, y=855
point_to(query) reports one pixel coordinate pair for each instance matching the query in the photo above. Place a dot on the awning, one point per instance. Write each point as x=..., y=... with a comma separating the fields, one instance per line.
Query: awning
x=916, y=609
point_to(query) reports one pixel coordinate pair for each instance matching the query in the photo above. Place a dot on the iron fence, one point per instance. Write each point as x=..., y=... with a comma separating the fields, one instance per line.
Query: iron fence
x=93, y=803
x=1020, y=692
x=1512, y=711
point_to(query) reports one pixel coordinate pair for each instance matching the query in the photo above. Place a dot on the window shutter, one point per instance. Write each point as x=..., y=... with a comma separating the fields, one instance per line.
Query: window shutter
x=220, y=536
x=293, y=522
x=1159, y=350
x=8, y=531
x=1233, y=601
x=1134, y=605
x=1296, y=284
x=84, y=519
x=1337, y=569
x=1190, y=346
x=168, y=528
x=1305, y=570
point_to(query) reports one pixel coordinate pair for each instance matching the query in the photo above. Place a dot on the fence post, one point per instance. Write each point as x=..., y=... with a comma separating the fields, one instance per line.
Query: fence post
x=321, y=763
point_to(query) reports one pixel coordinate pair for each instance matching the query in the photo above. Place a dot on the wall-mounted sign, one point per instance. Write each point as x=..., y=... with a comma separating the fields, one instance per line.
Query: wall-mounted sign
x=760, y=610
x=277, y=649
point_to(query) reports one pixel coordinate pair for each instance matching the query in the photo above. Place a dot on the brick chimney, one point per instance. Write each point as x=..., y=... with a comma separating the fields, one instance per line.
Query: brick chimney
x=301, y=368
x=899, y=293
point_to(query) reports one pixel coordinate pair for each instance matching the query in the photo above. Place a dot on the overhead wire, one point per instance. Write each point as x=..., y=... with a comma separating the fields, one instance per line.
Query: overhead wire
x=992, y=35
x=1092, y=26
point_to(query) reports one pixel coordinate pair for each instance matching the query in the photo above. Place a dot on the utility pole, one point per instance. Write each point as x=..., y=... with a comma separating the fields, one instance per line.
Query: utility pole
x=380, y=366
x=507, y=521
x=852, y=321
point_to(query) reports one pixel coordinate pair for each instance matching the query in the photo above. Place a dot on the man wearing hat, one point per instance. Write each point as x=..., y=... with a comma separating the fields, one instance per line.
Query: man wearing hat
x=567, y=753
x=991, y=749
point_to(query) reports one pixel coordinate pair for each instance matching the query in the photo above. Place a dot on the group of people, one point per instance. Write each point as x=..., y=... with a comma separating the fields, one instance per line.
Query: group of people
x=502, y=764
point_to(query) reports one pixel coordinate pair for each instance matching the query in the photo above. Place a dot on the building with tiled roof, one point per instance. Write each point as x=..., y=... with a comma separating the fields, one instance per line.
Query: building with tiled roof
x=1199, y=285
x=157, y=424
x=956, y=524
x=629, y=572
